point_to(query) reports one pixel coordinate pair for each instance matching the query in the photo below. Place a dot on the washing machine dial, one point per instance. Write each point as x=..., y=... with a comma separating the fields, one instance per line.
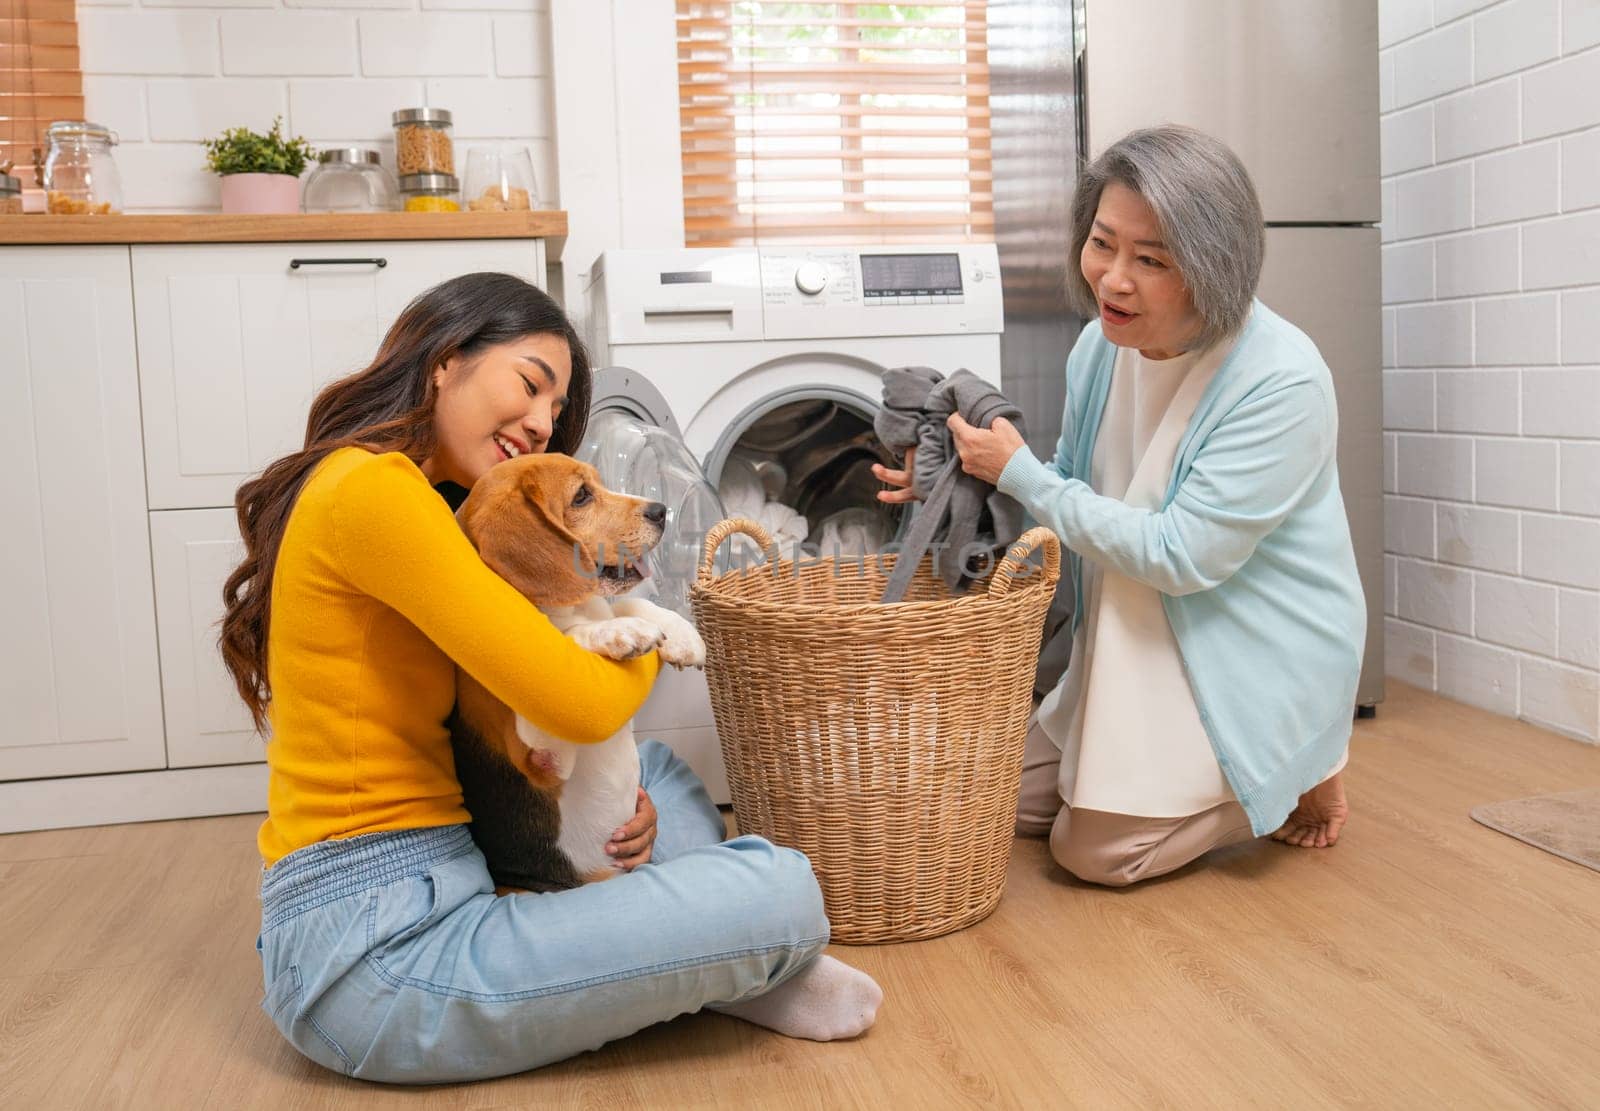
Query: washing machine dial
x=811, y=277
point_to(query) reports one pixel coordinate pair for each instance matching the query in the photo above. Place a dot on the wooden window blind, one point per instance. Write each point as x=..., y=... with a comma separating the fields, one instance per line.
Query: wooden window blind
x=834, y=122
x=40, y=81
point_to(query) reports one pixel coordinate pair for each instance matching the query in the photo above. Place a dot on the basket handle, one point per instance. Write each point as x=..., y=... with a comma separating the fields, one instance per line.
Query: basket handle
x=724, y=529
x=1011, y=565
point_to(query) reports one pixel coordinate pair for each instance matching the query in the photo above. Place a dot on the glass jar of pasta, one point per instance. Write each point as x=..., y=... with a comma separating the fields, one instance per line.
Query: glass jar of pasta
x=80, y=175
x=422, y=142
x=430, y=193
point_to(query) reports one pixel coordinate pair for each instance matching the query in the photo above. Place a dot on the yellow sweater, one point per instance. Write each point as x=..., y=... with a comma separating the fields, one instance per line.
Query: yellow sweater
x=376, y=592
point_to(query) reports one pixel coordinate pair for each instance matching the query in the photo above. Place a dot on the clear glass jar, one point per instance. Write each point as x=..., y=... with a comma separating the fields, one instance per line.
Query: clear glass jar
x=500, y=179
x=10, y=196
x=80, y=176
x=430, y=193
x=349, y=179
x=422, y=142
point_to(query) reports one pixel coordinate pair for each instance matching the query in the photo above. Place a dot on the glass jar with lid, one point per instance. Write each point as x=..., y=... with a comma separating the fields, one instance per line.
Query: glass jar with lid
x=80, y=175
x=430, y=193
x=10, y=192
x=422, y=142
x=348, y=179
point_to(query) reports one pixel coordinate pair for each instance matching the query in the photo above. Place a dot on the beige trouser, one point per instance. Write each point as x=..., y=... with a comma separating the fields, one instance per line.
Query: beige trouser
x=1114, y=849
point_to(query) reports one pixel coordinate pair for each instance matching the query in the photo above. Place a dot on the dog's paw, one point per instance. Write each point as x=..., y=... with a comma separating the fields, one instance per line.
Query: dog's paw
x=681, y=646
x=621, y=638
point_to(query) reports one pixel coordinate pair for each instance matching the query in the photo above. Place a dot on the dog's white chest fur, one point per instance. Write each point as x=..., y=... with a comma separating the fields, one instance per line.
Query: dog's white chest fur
x=601, y=787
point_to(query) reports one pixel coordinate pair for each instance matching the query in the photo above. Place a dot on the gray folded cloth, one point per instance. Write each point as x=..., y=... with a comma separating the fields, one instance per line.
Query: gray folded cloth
x=961, y=512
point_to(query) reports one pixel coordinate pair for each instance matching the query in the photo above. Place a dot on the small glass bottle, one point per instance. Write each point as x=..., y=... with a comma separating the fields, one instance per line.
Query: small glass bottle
x=10, y=195
x=422, y=142
x=430, y=193
x=80, y=175
x=348, y=179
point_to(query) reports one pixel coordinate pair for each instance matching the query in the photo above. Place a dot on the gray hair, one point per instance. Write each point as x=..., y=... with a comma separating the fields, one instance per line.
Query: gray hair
x=1209, y=214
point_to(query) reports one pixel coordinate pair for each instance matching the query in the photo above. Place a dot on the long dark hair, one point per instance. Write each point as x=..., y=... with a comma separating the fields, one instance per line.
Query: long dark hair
x=386, y=407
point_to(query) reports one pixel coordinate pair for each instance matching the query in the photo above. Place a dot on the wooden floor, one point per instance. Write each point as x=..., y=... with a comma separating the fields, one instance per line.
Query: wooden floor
x=1424, y=962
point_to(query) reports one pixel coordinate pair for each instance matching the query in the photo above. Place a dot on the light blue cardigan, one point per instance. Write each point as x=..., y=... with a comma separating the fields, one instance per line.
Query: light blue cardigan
x=1250, y=550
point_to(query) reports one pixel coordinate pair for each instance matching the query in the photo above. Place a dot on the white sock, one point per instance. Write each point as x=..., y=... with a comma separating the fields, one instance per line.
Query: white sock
x=824, y=1001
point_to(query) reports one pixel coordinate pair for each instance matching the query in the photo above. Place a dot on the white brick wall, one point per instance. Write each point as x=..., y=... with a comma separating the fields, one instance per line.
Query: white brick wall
x=167, y=74
x=1491, y=164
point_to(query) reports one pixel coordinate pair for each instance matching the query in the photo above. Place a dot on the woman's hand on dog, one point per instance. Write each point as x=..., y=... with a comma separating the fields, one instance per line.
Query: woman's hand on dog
x=630, y=845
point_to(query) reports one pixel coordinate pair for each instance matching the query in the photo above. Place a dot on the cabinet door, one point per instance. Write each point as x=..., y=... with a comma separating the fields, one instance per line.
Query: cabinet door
x=78, y=678
x=194, y=551
x=236, y=340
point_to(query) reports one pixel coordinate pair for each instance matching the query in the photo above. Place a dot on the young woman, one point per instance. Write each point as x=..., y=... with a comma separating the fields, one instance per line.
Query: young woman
x=385, y=952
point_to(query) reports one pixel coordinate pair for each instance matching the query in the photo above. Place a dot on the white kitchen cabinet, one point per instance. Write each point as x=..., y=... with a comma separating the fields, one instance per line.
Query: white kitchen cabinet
x=194, y=551
x=235, y=340
x=78, y=666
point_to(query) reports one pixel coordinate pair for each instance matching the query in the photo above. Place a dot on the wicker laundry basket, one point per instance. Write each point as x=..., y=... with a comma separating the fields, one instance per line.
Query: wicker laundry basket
x=884, y=741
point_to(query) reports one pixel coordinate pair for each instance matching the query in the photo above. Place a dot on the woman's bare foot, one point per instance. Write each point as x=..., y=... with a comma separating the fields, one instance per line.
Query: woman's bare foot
x=1316, y=822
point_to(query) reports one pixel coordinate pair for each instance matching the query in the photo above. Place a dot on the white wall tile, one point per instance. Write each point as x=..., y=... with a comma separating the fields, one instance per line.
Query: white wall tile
x=283, y=43
x=1408, y=272
x=1408, y=400
x=347, y=108
x=1406, y=140
x=1391, y=463
x=1434, y=335
x=1580, y=168
x=1561, y=403
x=1516, y=331
x=1561, y=97
x=1446, y=10
x=168, y=177
x=1580, y=326
x=1478, y=262
x=1388, y=338
x=194, y=109
x=1389, y=211
x=1514, y=36
x=179, y=43
x=1408, y=653
x=1408, y=526
x=1516, y=184
x=1386, y=82
x=1562, y=252
x=347, y=3
x=1562, y=698
x=1477, y=401
x=1473, y=536
x=1517, y=473
x=1435, y=595
x=1401, y=19
x=1433, y=64
x=1580, y=25
x=1515, y=613
x=488, y=5
x=209, y=3
x=1563, y=550
x=426, y=46
x=1435, y=466
x=117, y=102
x=1433, y=201
x=1580, y=478
x=519, y=46
x=1580, y=627
x=1477, y=120
x=1391, y=584
x=1477, y=674
x=507, y=107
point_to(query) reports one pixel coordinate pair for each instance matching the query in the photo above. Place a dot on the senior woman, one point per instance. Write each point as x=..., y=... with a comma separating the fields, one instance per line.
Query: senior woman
x=1219, y=620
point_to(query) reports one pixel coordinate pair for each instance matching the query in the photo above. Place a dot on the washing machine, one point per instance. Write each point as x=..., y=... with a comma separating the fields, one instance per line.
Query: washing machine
x=726, y=371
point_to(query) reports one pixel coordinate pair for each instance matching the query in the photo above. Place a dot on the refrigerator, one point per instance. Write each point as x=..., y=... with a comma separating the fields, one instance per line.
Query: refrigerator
x=1292, y=87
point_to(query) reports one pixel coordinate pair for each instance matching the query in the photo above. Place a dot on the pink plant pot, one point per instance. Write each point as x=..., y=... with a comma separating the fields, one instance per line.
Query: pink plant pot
x=254, y=193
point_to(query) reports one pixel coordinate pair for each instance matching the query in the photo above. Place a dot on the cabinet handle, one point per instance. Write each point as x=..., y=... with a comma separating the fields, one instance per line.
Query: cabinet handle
x=297, y=263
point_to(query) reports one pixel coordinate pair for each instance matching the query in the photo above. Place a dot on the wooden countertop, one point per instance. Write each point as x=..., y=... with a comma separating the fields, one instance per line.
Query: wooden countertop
x=210, y=227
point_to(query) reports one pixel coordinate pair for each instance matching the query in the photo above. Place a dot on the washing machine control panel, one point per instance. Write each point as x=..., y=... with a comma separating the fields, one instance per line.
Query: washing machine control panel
x=879, y=291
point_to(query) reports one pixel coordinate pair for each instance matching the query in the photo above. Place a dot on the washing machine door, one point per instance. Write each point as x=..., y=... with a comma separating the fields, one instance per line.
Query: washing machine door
x=634, y=442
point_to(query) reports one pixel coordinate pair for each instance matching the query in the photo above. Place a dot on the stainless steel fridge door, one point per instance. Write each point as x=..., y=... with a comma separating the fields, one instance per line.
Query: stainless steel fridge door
x=1291, y=87
x=1325, y=281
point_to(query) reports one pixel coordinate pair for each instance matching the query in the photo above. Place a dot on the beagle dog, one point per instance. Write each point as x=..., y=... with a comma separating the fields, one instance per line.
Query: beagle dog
x=543, y=808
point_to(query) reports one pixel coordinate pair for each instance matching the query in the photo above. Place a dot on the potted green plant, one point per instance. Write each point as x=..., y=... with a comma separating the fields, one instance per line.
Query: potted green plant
x=260, y=173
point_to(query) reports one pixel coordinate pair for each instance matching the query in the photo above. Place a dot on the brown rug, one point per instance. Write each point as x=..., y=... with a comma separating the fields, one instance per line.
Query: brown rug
x=1567, y=824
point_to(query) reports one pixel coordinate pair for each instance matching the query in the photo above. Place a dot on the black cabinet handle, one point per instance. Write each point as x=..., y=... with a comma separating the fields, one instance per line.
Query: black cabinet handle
x=297, y=263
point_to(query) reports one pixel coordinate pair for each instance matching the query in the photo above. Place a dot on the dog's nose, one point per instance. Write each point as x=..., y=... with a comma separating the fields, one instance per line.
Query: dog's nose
x=656, y=514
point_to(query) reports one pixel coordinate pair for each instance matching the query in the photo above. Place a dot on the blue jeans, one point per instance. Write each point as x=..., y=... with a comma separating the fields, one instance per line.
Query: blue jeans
x=389, y=957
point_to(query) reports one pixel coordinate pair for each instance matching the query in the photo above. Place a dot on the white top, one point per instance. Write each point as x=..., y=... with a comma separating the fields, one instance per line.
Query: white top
x=1124, y=715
